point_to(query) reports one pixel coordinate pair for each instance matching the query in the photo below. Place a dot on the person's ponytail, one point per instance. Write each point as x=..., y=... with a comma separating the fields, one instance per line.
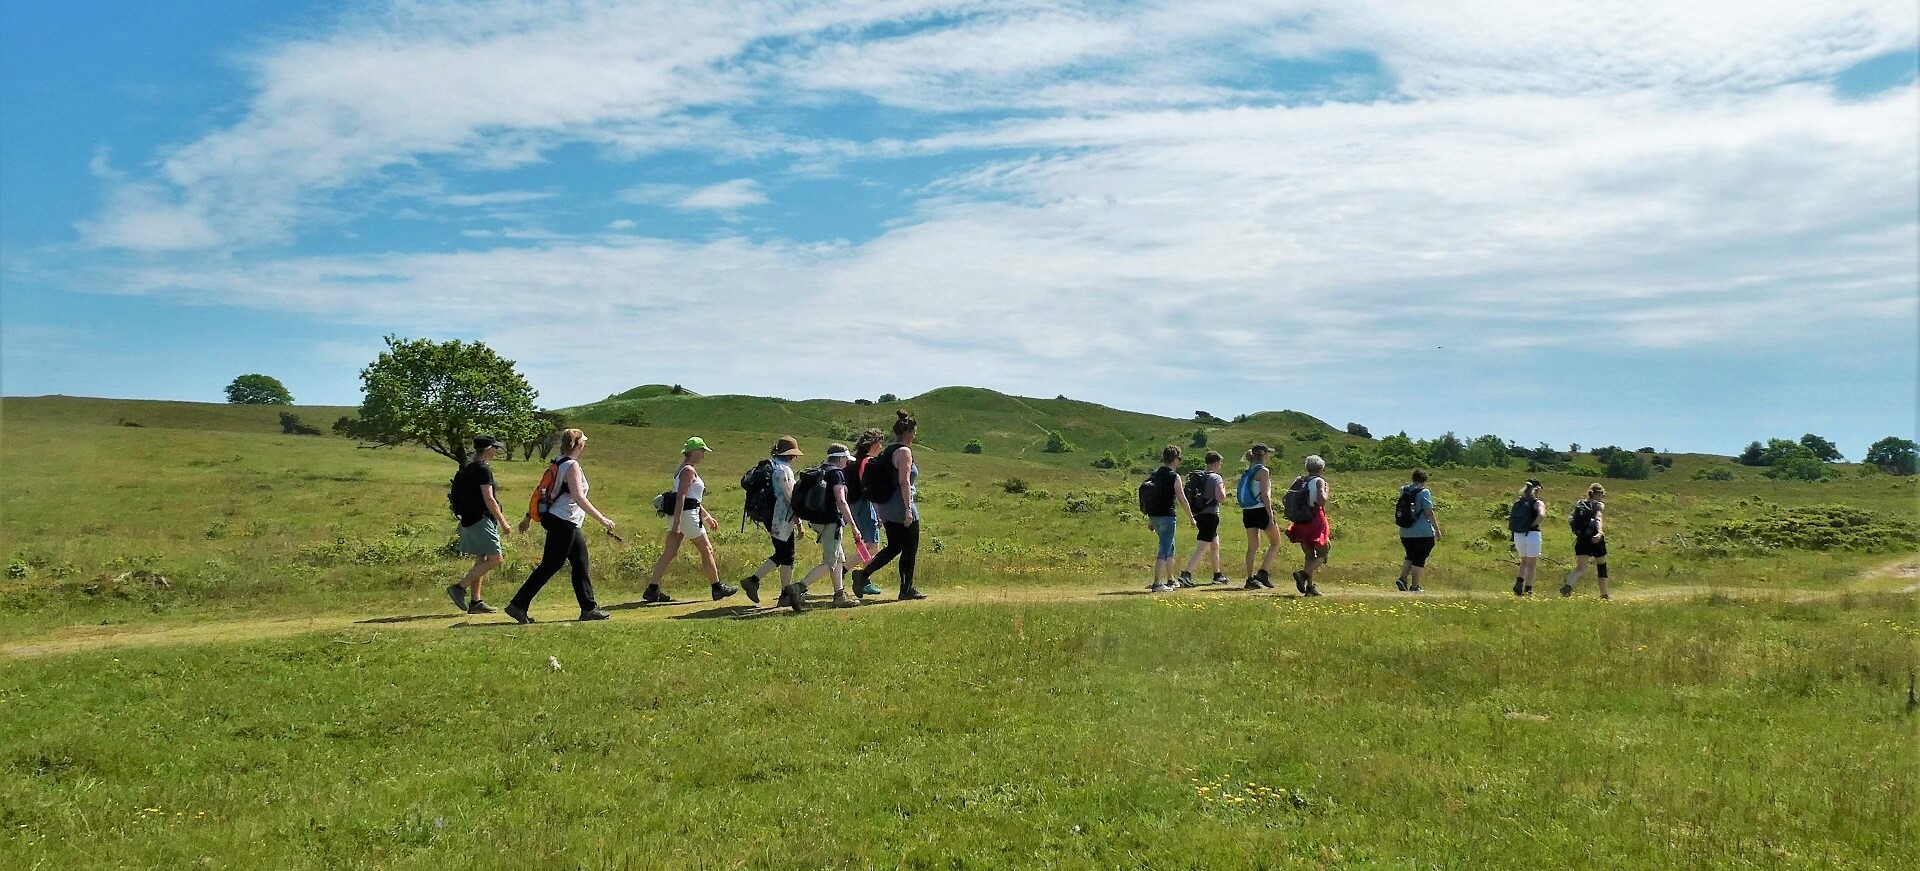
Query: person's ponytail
x=904, y=423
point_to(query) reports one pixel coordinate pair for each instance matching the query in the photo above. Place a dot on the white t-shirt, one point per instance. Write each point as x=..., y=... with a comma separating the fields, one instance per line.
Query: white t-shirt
x=563, y=505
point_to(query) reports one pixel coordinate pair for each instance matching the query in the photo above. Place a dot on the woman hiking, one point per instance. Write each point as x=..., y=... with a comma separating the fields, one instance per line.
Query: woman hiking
x=1165, y=525
x=783, y=530
x=1212, y=490
x=689, y=520
x=832, y=558
x=1255, y=495
x=1523, y=520
x=1589, y=524
x=1417, y=538
x=565, y=509
x=865, y=449
x=898, y=514
x=1313, y=533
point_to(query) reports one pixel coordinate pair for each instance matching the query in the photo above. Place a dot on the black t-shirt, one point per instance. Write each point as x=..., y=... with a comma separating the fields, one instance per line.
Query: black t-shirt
x=466, y=488
x=837, y=478
x=1168, y=482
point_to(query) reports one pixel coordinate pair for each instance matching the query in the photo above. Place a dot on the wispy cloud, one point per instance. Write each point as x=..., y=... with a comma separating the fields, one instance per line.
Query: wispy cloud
x=726, y=196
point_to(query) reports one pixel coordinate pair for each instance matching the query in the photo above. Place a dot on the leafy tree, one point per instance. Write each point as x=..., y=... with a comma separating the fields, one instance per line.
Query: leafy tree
x=888, y=397
x=439, y=395
x=1354, y=458
x=1823, y=450
x=546, y=434
x=1573, y=448
x=1446, y=449
x=1200, y=438
x=1397, y=451
x=1894, y=455
x=863, y=402
x=1754, y=455
x=1628, y=465
x=1488, y=451
x=1545, y=453
x=1800, y=468
x=1057, y=443
x=678, y=390
x=1355, y=429
x=972, y=447
x=1781, y=450
x=258, y=390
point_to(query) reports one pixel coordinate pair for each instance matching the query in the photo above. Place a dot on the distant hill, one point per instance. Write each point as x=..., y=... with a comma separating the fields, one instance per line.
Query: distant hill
x=951, y=416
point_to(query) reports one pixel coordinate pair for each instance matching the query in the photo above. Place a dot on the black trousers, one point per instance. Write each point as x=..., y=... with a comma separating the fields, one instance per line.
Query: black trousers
x=903, y=541
x=566, y=543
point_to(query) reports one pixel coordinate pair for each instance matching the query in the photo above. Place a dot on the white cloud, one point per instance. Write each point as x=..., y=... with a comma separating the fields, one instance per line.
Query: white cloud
x=726, y=196
x=496, y=198
x=621, y=224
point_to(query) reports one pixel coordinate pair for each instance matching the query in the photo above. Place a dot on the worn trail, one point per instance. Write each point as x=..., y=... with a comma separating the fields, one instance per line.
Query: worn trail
x=1901, y=577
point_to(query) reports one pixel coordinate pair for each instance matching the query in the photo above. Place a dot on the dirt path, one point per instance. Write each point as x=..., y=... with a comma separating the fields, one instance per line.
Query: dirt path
x=1898, y=577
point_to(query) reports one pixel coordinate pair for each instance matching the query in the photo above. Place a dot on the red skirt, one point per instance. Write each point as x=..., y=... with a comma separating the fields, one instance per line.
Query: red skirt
x=1315, y=532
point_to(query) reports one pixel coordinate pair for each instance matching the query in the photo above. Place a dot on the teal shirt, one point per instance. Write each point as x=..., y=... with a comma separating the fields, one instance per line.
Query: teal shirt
x=1422, y=527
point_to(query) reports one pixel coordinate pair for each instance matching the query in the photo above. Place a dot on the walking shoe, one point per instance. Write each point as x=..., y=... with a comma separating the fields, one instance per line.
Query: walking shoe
x=459, y=596
x=518, y=614
x=1605, y=596
x=1264, y=579
x=1220, y=580
x=1159, y=587
x=721, y=591
x=1411, y=588
x=478, y=607
x=1185, y=581
x=868, y=589
x=1311, y=590
x=786, y=597
x=1566, y=589
x=908, y=594
x=1300, y=582
x=1527, y=590
x=751, y=586
x=843, y=599
x=1519, y=587
x=1252, y=584
x=796, y=598
x=655, y=594
x=1400, y=584
x=857, y=577
x=594, y=614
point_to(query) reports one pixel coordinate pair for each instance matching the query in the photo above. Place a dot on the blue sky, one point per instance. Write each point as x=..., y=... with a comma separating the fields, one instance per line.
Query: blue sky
x=1632, y=223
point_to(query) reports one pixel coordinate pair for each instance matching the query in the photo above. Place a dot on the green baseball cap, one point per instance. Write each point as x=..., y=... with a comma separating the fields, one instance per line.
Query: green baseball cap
x=695, y=444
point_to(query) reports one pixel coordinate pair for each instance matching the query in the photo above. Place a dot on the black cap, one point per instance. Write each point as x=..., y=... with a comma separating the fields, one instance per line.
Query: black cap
x=481, y=443
x=1531, y=482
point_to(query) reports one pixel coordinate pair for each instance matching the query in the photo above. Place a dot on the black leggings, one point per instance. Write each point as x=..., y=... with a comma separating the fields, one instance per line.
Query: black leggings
x=565, y=544
x=903, y=541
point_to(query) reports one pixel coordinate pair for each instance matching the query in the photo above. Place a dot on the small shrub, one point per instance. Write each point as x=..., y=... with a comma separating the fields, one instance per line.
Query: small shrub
x=1798, y=469
x=1716, y=473
x=132, y=423
x=1107, y=461
x=1058, y=444
x=1080, y=505
x=631, y=417
x=843, y=431
x=1014, y=486
x=290, y=424
x=972, y=446
x=1816, y=527
x=863, y=402
x=1354, y=429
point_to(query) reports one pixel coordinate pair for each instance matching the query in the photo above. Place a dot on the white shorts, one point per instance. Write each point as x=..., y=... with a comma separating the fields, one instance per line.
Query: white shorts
x=830, y=553
x=1528, y=544
x=690, y=525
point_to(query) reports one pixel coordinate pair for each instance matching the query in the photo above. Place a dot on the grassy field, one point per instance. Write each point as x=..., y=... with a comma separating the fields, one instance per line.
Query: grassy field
x=1743, y=703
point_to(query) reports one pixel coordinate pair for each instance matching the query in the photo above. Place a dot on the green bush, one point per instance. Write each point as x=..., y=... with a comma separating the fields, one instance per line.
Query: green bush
x=631, y=417
x=1058, y=444
x=1014, y=486
x=972, y=446
x=1798, y=469
x=1716, y=473
x=1107, y=461
x=1817, y=527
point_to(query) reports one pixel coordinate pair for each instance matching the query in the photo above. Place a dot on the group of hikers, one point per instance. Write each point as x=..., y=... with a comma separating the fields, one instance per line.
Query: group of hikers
x=867, y=492
x=1303, y=505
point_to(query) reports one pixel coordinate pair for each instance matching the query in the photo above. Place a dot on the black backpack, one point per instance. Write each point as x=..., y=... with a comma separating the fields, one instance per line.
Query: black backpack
x=1582, y=520
x=1403, y=510
x=1297, y=504
x=880, y=485
x=1200, y=490
x=453, y=496
x=1156, y=493
x=1524, y=516
x=813, y=499
x=758, y=485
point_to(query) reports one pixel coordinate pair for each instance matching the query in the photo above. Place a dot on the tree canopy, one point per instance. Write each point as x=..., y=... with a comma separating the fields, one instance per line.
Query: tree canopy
x=257, y=389
x=440, y=395
x=1895, y=455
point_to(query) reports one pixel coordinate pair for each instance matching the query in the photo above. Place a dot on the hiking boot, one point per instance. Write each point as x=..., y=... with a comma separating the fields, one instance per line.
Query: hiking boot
x=1606, y=596
x=1252, y=584
x=868, y=589
x=1264, y=579
x=786, y=597
x=1411, y=588
x=751, y=586
x=908, y=594
x=1300, y=582
x=843, y=599
x=1519, y=587
x=1400, y=584
x=1159, y=587
x=518, y=614
x=594, y=614
x=1221, y=580
x=1566, y=590
x=654, y=594
x=459, y=596
x=796, y=598
x=478, y=607
x=721, y=591
x=857, y=577
x=1311, y=590
x=1526, y=590
x=1185, y=581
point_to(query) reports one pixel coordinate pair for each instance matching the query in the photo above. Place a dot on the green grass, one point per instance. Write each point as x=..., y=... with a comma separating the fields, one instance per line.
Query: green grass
x=1722, y=725
x=1135, y=733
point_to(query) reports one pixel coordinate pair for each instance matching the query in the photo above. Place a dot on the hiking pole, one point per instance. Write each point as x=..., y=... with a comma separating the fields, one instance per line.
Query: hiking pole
x=615, y=537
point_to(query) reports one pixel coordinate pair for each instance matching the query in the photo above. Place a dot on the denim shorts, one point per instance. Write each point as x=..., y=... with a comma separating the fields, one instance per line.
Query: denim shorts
x=1164, y=527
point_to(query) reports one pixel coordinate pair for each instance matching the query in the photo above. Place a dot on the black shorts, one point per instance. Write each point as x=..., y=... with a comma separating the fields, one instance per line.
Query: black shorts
x=1256, y=518
x=1209, y=524
x=1593, y=547
x=783, y=550
x=1418, y=549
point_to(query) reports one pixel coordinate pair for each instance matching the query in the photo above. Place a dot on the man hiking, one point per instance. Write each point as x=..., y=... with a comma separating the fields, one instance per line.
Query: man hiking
x=481, y=524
